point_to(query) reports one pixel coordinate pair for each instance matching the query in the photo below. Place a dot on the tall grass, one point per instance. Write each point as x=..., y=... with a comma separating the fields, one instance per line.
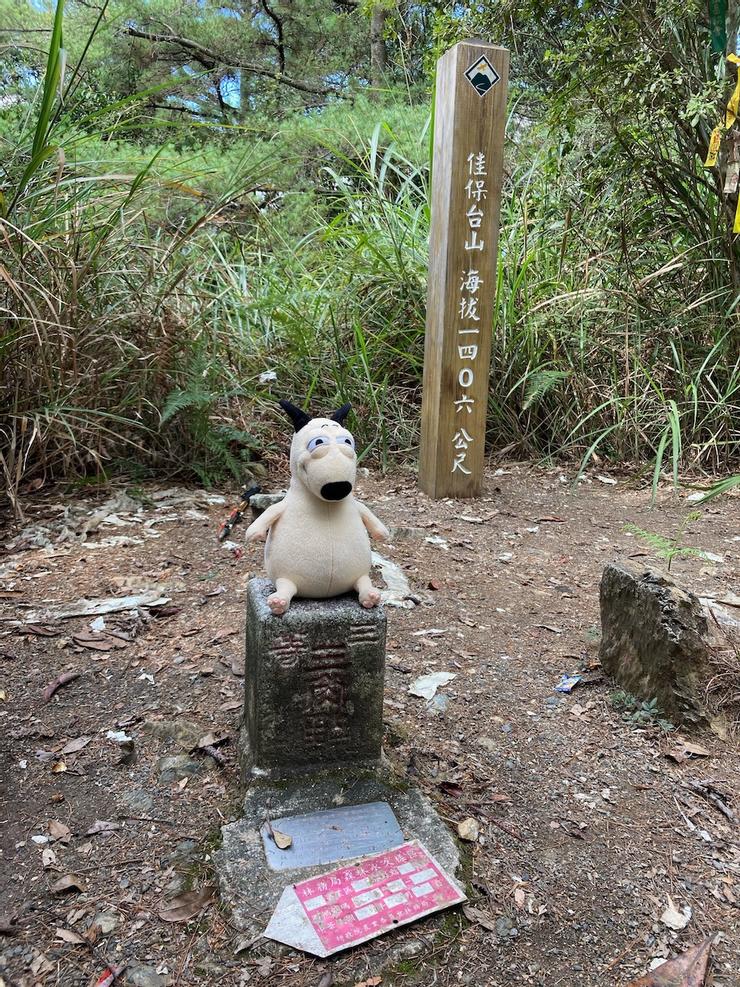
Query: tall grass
x=632, y=356
x=148, y=299
x=101, y=302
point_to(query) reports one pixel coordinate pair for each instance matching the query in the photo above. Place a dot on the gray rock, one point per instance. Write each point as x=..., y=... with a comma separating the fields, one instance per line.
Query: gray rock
x=140, y=975
x=313, y=684
x=505, y=928
x=654, y=639
x=178, y=766
x=138, y=802
x=183, y=732
x=399, y=533
x=185, y=853
x=106, y=922
x=260, y=502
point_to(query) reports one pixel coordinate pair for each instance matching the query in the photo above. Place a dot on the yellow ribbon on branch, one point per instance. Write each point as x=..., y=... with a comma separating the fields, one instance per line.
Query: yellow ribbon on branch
x=731, y=115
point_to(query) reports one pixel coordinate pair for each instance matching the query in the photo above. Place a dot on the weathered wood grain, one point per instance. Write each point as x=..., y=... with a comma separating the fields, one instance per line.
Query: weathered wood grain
x=459, y=319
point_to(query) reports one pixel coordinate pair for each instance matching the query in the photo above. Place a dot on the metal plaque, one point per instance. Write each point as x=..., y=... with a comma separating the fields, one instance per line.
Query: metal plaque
x=333, y=834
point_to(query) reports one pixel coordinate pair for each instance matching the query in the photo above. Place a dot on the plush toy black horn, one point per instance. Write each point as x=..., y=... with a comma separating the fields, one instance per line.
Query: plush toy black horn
x=298, y=417
x=341, y=413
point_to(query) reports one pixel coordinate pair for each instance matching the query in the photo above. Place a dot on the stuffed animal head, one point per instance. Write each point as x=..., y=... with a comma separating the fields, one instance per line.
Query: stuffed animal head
x=322, y=453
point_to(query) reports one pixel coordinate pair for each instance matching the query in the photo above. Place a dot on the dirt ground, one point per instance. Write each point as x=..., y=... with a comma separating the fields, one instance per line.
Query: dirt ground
x=587, y=829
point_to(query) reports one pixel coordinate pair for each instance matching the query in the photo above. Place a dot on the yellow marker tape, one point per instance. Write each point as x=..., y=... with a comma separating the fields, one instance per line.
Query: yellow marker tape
x=714, y=144
x=733, y=105
x=736, y=224
x=731, y=114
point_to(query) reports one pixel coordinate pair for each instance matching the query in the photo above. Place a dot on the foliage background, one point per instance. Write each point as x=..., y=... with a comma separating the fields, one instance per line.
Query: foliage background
x=205, y=208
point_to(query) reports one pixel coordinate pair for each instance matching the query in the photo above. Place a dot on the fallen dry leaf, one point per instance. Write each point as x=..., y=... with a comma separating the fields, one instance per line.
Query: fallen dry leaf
x=41, y=966
x=69, y=882
x=48, y=858
x=102, y=826
x=186, y=906
x=479, y=917
x=211, y=740
x=282, y=840
x=370, y=982
x=39, y=630
x=682, y=750
x=58, y=831
x=520, y=897
x=99, y=642
x=58, y=767
x=696, y=749
x=687, y=970
x=64, y=679
x=67, y=936
x=73, y=746
x=226, y=632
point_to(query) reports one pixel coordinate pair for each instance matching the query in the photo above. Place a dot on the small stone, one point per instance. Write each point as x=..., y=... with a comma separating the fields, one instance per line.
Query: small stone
x=140, y=975
x=106, y=922
x=184, y=854
x=260, y=502
x=183, y=732
x=407, y=534
x=505, y=927
x=468, y=829
x=139, y=802
x=175, y=886
x=489, y=744
x=178, y=766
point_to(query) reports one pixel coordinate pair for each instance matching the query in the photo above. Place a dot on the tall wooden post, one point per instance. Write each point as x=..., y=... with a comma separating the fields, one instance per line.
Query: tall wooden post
x=470, y=112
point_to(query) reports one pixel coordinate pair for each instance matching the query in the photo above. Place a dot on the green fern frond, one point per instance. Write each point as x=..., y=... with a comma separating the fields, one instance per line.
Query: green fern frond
x=539, y=383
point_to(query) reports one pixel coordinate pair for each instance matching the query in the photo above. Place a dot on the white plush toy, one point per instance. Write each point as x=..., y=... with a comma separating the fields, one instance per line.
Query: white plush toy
x=317, y=536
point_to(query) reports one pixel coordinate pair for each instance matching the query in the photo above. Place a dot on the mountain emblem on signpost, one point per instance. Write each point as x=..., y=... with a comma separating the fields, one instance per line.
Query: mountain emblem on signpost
x=482, y=76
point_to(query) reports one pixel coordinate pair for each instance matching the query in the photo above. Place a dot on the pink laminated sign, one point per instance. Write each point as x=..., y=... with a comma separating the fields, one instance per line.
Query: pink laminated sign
x=352, y=904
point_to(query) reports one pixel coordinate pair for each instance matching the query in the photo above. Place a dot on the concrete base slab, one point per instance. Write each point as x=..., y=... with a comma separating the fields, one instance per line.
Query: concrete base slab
x=251, y=890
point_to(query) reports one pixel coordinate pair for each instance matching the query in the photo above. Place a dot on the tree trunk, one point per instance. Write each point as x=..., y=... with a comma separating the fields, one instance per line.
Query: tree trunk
x=378, y=53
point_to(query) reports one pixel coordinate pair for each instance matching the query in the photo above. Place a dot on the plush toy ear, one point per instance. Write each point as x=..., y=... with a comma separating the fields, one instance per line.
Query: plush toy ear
x=298, y=417
x=341, y=413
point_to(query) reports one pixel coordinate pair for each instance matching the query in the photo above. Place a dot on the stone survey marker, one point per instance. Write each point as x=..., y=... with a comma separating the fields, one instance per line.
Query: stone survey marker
x=313, y=683
x=470, y=112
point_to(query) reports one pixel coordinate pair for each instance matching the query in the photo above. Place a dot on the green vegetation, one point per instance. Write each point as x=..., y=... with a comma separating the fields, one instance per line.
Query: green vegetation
x=670, y=547
x=203, y=208
x=640, y=713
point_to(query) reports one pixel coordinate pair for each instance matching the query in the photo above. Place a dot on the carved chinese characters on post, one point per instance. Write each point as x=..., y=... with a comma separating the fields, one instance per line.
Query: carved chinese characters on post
x=469, y=328
x=313, y=683
x=467, y=166
x=325, y=687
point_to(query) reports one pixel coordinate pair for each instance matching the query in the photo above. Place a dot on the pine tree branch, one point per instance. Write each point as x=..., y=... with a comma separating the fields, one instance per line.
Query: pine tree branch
x=280, y=44
x=212, y=59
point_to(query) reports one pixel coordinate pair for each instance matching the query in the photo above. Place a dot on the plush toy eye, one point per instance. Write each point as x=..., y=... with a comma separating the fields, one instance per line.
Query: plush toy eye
x=348, y=441
x=315, y=443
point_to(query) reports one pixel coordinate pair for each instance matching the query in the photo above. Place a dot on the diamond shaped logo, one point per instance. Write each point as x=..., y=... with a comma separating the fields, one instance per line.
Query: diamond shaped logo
x=482, y=76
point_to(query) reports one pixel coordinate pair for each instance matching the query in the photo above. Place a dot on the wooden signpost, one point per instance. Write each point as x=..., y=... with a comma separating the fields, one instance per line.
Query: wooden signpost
x=470, y=112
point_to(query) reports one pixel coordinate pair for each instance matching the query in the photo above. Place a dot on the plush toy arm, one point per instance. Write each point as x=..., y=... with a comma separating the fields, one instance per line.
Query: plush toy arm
x=258, y=529
x=376, y=529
